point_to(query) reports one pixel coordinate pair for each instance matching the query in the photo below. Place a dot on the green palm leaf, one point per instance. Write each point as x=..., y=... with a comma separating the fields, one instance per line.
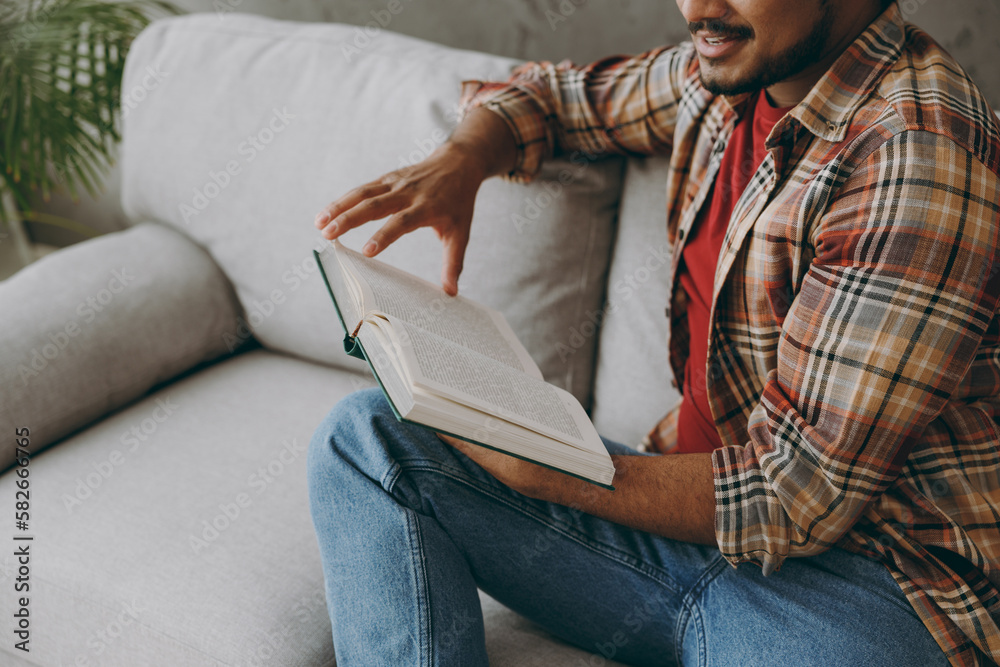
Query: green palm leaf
x=61, y=64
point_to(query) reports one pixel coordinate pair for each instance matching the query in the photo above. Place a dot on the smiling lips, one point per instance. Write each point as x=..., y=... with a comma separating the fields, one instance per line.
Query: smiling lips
x=715, y=46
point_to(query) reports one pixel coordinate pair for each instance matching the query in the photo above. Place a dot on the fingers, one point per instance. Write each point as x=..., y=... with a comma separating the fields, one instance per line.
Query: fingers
x=453, y=260
x=410, y=201
x=348, y=211
x=399, y=224
x=364, y=211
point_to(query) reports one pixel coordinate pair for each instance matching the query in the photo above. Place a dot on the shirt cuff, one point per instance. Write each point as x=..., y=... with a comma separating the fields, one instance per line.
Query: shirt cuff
x=750, y=524
x=526, y=121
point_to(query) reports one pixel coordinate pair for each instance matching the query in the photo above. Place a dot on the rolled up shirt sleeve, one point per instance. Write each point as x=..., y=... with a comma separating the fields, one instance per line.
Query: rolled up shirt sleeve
x=616, y=105
x=887, y=322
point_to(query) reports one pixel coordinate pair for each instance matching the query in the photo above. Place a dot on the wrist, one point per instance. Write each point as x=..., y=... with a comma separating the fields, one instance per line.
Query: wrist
x=485, y=141
x=470, y=158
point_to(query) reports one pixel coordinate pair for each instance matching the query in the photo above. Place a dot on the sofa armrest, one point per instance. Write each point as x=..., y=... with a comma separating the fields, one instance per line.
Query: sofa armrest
x=92, y=327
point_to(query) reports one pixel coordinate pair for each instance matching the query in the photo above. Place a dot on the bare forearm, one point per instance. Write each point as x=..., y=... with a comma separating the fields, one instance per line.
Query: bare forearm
x=484, y=134
x=672, y=495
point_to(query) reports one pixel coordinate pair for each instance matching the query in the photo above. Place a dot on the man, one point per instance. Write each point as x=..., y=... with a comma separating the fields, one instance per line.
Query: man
x=833, y=205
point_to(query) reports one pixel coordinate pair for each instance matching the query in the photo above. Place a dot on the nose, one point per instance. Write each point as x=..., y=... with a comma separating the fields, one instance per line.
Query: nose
x=695, y=11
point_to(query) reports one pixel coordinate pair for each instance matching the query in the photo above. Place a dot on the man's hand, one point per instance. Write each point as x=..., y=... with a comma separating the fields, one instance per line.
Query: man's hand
x=439, y=192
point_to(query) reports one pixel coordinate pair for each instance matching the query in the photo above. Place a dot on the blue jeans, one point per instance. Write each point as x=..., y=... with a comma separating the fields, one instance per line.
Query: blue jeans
x=409, y=527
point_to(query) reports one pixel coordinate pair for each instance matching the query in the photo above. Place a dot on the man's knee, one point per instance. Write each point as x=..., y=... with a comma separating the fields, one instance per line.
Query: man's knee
x=351, y=425
x=357, y=410
x=363, y=432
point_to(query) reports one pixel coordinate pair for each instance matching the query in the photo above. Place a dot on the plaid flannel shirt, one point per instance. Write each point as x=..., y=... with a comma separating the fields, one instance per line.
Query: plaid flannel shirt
x=854, y=359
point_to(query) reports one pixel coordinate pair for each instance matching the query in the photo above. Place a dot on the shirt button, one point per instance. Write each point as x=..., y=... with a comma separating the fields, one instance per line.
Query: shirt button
x=680, y=235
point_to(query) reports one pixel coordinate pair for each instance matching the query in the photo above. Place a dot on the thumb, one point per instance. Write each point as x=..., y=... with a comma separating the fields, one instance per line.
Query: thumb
x=454, y=259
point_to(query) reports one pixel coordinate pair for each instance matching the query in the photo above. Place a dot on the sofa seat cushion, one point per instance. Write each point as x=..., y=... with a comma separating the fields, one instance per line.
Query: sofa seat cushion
x=177, y=530
x=255, y=124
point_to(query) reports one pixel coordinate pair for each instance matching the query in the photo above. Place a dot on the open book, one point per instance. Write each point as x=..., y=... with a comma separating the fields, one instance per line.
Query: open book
x=455, y=366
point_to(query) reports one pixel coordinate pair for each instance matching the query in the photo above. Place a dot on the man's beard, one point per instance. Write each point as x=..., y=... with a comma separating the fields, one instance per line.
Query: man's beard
x=777, y=68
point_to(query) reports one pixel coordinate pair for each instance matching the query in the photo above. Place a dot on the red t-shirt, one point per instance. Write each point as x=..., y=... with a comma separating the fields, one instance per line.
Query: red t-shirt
x=745, y=151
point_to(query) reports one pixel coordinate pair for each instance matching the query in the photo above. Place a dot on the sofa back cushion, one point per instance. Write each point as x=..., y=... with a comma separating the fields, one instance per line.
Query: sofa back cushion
x=633, y=388
x=238, y=129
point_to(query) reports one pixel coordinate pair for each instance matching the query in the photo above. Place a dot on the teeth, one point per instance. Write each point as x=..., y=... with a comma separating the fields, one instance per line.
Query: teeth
x=715, y=41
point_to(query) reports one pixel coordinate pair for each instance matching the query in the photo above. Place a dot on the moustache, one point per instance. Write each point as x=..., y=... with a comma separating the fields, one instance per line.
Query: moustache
x=720, y=29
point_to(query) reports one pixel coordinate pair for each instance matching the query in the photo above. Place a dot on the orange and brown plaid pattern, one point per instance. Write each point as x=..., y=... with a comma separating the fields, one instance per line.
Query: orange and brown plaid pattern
x=854, y=371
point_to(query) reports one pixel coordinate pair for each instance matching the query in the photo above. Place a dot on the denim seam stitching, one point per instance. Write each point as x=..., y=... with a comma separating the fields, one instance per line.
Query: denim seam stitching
x=390, y=478
x=420, y=585
x=690, y=605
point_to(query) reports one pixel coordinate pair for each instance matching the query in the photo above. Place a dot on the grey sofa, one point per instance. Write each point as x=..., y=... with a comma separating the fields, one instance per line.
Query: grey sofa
x=170, y=375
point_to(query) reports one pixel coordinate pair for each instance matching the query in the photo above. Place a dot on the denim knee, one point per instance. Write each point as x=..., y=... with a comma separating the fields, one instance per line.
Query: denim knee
x=346, y=432
x=360, y=407
x=362, y=432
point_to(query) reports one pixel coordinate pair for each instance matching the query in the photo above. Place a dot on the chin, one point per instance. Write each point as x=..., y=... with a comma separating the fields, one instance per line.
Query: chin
x=720, y=83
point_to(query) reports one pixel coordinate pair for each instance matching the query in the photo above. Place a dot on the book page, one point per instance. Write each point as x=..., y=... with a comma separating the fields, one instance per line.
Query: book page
x=388, y=370
x=439, y=365
x=389, y=290
x=346, y=296
x=438, y=412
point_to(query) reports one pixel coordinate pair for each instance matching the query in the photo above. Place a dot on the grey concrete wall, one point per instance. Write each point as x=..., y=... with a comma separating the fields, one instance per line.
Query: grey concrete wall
x=585, y=30
x=582, y=30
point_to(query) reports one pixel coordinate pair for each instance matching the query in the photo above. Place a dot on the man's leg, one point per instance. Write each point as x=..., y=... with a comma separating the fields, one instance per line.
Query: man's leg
x=836, y=608
x=407, y=528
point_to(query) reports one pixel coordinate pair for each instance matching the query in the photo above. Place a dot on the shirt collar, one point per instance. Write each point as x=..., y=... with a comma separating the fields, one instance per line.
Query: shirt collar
x=829, y=107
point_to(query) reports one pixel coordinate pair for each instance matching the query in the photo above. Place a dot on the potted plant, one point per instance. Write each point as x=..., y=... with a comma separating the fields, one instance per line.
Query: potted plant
x=61, y=64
